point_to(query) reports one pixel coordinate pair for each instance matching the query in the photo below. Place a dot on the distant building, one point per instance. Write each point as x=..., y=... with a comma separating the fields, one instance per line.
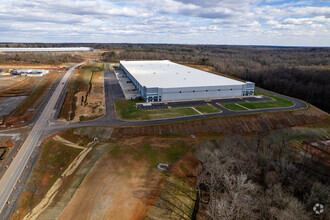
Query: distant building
x=30, y=72
x=167, y=81
x=45, y=49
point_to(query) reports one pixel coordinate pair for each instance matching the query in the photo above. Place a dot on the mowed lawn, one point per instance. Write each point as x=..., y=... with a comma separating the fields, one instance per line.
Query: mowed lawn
x=126, y=109
x=208, y=109
x=234, y=107
x=277, y=103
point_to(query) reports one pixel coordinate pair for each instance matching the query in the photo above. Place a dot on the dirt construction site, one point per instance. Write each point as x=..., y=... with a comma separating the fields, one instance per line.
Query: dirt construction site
x=20, y=96
x=85, y=99
x=104, y=181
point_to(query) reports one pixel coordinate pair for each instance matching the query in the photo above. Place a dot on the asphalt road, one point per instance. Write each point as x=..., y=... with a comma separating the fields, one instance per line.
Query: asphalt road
x=10, y=178
x=113, y=92
x=46, y=125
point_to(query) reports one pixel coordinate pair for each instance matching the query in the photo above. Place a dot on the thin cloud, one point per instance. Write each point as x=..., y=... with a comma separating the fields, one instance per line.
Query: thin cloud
x=279, y=22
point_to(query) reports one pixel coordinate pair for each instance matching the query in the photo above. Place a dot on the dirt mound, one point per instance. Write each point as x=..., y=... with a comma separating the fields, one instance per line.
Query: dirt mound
x=224, y=125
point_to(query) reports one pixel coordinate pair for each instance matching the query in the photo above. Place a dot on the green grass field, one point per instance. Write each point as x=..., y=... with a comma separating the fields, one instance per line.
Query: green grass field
x=234, y=107
x=208, y=109
x=127, y=110
x=277, y=103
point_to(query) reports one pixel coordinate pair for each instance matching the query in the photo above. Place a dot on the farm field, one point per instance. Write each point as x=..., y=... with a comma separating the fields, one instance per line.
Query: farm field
x=85, y=98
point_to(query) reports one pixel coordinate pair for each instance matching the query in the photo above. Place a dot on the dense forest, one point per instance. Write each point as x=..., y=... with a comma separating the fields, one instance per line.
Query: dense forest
x=301, y=72
x=261, y=178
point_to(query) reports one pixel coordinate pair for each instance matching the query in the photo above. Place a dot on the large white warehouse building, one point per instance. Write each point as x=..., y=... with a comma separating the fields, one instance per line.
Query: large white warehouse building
x=167, y=81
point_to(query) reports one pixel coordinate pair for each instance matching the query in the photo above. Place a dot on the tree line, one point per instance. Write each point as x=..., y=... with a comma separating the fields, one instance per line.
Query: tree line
x=303, y=73
x=40, y=58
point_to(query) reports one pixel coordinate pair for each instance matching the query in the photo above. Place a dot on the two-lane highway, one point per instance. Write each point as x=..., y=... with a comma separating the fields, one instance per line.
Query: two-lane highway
x=15, y=169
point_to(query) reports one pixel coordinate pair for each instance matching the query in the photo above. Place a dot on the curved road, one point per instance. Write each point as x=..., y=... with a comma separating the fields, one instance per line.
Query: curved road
x=46, y=125
x=114, y=92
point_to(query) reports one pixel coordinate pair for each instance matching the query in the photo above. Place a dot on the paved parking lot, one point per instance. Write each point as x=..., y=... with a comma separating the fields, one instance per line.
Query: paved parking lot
x=184, y=104
x=195, y=103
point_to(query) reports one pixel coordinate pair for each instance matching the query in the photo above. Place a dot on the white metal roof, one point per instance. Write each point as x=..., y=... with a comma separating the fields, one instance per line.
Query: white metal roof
x=166, y=74
x=44, y=49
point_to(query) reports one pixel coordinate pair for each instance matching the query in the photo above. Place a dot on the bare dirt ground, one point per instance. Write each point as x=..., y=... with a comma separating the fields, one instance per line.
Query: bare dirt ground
x=48, y=198
x=96, y=100
x=36, y=88
x=8, y=81
x=66, y=142
x=55, y=160
x=111, y=192
x=123, y=185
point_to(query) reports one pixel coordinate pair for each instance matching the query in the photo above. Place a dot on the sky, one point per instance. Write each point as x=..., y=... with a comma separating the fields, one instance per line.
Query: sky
x=225, y=22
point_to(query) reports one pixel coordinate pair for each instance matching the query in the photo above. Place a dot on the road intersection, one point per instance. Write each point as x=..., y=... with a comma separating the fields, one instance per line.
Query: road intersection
x=46, y=125
x=113, y=93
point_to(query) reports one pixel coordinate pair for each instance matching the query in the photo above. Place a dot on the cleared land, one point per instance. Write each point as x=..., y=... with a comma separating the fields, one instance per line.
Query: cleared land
x=120, y=178
x=125, y=183
x=127, y=110
x=54, y=159
x=8, y=81
x=35, y=88
x=7, y=105
x=85, y=97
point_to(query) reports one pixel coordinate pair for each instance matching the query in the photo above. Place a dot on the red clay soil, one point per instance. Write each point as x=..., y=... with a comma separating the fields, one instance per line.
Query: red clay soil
x=109, y=192
x=186, y=168
x=24, y=204
x=46, y=178
x=321, y=152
